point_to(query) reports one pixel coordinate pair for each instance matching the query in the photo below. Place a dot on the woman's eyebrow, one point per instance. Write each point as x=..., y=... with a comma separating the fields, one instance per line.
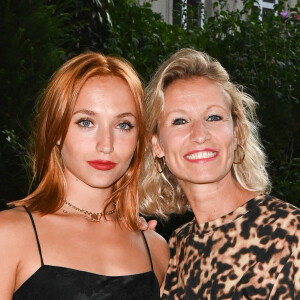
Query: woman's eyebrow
x=92, y=113
x=176, y=110
x=85, y=111
x=126, y=114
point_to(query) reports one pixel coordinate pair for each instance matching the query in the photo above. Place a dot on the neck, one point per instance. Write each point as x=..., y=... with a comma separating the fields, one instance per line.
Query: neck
x=86, y=197
x=214, y=200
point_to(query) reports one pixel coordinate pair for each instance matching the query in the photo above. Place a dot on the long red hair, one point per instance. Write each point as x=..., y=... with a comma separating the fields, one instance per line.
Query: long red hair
x=54, y=114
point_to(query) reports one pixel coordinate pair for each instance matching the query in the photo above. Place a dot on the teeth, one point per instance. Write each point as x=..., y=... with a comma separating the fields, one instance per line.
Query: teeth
x=201, y=155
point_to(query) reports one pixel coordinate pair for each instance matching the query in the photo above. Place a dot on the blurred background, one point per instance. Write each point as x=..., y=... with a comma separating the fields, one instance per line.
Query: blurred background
x=256, y=41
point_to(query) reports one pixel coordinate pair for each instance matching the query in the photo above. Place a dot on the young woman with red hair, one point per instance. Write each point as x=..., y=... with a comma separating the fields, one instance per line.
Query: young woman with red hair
x=82, y=220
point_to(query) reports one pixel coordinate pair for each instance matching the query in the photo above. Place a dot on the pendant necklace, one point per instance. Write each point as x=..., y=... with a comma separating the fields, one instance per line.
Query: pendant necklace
x=95, y=217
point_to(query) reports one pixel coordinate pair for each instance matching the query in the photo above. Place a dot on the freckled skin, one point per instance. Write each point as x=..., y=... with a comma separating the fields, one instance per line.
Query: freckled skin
x=251, y=253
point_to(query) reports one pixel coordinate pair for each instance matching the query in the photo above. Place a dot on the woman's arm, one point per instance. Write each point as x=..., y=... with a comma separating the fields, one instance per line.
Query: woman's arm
x=287, y=285
x=9, y=254
x=160, y=255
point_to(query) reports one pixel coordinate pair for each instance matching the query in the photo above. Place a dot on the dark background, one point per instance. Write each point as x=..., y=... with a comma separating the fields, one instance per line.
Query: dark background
x=260, y=52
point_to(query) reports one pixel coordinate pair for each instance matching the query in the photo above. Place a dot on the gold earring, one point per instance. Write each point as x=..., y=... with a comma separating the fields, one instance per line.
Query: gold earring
x=243, y=156
x=159, y=164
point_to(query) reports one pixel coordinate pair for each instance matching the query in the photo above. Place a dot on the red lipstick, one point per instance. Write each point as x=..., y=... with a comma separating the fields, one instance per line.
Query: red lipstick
x=103, y=165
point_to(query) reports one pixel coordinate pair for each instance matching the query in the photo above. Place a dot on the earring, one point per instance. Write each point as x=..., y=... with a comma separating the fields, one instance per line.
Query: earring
x=243, y=155
x=159, y=164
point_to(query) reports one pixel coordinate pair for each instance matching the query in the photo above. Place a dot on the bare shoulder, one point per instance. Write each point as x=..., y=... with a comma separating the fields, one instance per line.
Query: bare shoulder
x=159, y=252
x=12, y=223
x=13, y=216
x=155, y=240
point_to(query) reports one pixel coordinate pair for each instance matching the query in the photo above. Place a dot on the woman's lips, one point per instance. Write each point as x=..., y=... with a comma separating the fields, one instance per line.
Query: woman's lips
x=103, y=165
x=201, y=155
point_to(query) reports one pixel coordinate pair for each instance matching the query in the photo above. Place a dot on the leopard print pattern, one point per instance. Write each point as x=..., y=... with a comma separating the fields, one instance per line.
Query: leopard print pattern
x=251, y=253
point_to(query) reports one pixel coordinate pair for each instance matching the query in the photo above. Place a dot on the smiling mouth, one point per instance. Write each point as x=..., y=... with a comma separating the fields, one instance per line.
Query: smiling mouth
x=201, y=155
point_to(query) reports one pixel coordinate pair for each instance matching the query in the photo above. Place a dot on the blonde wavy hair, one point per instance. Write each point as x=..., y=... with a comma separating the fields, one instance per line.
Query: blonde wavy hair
x=160, y=193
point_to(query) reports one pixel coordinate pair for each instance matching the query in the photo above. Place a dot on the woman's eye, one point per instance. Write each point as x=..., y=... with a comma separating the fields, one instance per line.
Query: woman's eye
x=125, y=126
x=214, y=118
x=179, y=121
x=85, y=123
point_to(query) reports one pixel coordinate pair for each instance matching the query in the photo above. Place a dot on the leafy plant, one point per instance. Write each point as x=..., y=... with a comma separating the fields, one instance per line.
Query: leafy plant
x=32, y=39
x=259, y=52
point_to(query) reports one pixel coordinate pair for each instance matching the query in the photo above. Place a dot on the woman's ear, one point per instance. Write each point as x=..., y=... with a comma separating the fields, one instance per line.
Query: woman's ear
x=156, y=146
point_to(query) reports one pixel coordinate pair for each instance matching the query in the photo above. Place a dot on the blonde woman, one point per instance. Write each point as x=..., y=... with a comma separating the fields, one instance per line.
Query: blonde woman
x=204, y=154
x=76, y=235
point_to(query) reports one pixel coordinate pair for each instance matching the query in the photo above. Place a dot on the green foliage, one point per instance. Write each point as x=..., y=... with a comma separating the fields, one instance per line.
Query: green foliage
x=260, y=52
x=142, y=37
x=29, y=35
x=89, y=23
x=287, y=182
x=263, y=54
x=32, y=38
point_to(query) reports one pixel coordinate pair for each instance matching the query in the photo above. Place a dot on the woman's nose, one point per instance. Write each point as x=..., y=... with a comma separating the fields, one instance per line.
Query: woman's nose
x=105, y=141
x=199, y=132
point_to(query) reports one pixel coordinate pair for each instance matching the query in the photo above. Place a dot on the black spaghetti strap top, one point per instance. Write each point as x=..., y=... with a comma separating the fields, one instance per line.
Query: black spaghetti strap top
x=60, y=283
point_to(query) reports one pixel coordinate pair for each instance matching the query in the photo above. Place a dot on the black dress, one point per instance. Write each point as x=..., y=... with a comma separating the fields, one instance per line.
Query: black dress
x=60, y=283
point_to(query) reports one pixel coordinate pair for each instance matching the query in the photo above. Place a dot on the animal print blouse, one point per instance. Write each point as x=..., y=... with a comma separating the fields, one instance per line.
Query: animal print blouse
x=251, y=253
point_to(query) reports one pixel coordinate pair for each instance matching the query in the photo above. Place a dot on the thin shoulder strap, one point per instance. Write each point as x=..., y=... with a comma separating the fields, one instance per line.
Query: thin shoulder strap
x=36, y=235
x=148, y=250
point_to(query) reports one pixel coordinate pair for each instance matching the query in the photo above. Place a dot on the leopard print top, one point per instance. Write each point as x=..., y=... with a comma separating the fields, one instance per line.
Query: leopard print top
x=251, y=253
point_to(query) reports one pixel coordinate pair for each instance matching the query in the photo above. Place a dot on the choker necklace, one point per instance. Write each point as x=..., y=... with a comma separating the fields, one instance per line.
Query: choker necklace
x=95, y=217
